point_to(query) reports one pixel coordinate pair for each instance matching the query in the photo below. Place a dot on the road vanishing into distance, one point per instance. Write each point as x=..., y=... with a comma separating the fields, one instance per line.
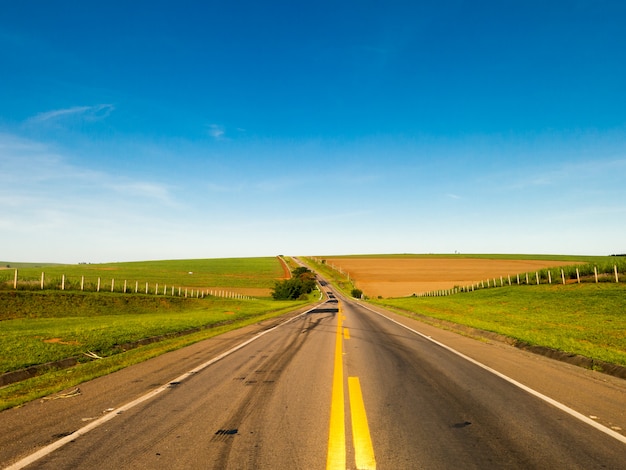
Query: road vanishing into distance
x=341, y=386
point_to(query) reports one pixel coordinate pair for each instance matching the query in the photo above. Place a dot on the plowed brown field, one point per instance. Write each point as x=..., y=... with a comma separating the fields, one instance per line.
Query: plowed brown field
x=390, y=277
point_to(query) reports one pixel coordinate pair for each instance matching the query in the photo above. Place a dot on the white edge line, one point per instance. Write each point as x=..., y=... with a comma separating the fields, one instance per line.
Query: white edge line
x=527, y=389
x=151, y=394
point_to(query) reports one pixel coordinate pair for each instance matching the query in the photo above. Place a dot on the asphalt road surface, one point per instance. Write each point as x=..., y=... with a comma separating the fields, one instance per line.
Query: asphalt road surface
x=340, y=386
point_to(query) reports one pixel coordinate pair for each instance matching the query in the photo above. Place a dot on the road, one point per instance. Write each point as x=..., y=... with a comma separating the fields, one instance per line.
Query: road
x=340, y=386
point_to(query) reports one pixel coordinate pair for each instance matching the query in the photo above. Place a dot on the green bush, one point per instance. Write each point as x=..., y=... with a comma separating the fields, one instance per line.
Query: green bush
x=301, y=283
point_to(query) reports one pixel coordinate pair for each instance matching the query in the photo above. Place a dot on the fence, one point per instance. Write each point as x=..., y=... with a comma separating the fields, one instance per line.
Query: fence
x=572, y=274
x=65, y=284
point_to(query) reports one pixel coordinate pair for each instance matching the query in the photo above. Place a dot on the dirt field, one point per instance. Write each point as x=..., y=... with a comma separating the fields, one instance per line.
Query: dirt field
x=402, y=277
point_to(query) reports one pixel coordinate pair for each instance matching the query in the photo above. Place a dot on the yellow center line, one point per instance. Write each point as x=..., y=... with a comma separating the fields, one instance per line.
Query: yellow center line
x=336, y=458
x=363, y=449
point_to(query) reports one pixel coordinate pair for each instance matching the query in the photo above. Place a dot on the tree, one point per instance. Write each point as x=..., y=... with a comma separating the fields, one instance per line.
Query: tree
x=357, y=293
x=301, y=283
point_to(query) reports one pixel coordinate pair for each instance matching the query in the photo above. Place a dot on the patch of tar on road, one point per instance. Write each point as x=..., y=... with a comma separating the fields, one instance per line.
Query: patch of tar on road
x=461, y=425
x=224, y=434
x=332, y=310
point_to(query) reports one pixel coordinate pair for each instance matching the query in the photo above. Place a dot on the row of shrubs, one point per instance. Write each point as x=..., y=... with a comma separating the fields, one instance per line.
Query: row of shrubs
x=605, y=270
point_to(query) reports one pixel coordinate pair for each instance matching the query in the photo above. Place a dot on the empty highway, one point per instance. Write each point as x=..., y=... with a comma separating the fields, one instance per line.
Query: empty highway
x=339, y=386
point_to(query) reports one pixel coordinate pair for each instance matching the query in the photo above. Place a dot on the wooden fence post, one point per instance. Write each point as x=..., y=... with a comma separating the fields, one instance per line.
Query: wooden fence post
x=537, y=276
x=98, y=288
x=527, y=279
x=112, y=284
x=63, y=282
x=518, y=279
x=578, y=275
x=124, y=286
x=82, y=283
x=42, y=276
x=549, y=277
x=616, y=276
x=15, y=280
x=146, y=287
x=563, y=276
x=595, y=272
x=156, y=289
x=509, y=280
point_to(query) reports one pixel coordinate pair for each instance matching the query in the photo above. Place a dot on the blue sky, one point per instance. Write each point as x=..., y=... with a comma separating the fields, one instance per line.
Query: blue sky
x=191, y=129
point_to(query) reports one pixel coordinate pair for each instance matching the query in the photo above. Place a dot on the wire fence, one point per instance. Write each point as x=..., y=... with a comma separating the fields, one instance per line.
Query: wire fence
x=65, y=283
x=590, y=273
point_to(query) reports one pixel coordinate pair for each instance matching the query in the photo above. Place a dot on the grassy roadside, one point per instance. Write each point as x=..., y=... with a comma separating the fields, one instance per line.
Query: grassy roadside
x=51, y=325
x=50, y=337
x=584, y=319
x=338, y=280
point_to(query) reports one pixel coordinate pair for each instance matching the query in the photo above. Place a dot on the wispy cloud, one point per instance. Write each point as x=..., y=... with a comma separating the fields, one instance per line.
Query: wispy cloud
x=217, y=132
x=86, y=113
x=36, y=176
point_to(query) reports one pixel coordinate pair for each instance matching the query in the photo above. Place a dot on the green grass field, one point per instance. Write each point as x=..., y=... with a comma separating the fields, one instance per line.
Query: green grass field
x=587, y=319
x=236, y=273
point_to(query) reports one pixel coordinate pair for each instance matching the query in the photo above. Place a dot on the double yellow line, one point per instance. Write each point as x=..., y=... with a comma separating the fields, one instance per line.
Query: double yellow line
x=363, y=449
